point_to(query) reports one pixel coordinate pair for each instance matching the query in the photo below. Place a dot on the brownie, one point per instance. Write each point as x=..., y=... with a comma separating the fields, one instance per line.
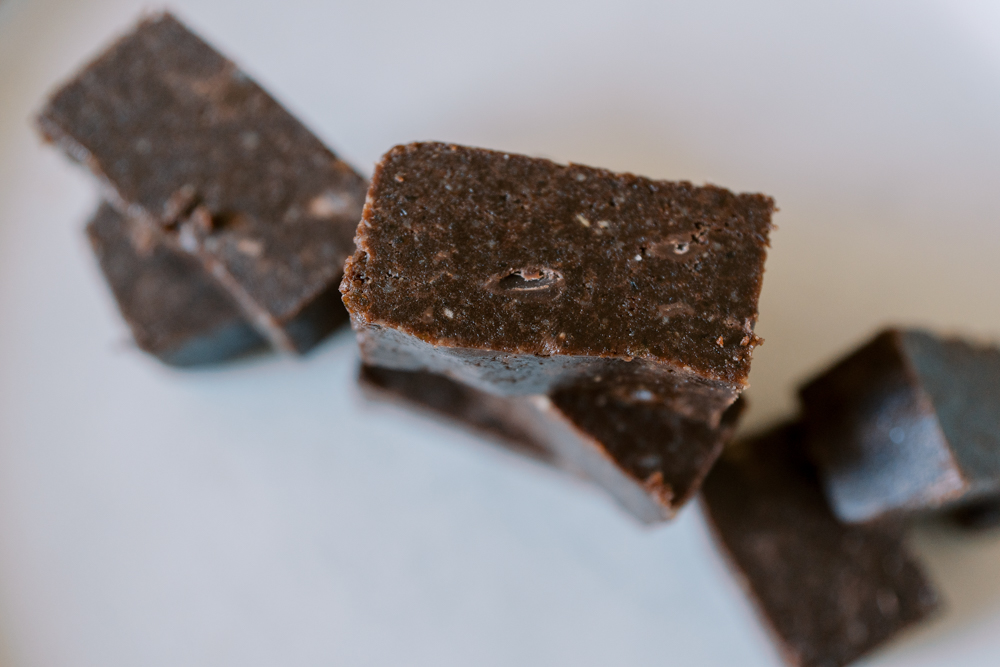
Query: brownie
x=908, y=422
x=492, y=416
x=183, y=140
x=649, y=459
x=522, y=276
x=830, y=592
x=176, y=311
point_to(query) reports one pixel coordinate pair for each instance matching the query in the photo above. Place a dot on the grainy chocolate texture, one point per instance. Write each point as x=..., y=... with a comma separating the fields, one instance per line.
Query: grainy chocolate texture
x=907, y=422
x=182, y=139
x=830, y=592
x=649, y=459
x=174, y=309
x=522, y=276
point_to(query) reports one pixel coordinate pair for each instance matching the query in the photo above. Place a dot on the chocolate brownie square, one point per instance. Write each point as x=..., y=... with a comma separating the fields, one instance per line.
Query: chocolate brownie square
x=829, y=592
x=522, y=276
x=908, y=422
x=183, y=140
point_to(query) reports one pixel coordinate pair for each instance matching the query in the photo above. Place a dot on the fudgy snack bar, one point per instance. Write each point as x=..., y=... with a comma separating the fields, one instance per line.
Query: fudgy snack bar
x=175, y=310
x=649, y=459
x=184, y=141
x=522, y=276
x=830, y=592
x=908, y=422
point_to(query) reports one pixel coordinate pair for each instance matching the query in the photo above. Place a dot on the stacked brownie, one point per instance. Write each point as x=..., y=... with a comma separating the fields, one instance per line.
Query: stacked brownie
x=604, y=323
x=608, y=315
x=226, y=222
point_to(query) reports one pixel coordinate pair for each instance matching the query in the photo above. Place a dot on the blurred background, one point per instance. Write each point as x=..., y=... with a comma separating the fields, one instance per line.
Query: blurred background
x=262, y=513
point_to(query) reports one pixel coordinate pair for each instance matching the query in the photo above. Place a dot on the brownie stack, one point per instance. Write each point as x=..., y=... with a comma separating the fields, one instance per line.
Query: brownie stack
x=610, y=315
x=226, y=222
x=604, y=323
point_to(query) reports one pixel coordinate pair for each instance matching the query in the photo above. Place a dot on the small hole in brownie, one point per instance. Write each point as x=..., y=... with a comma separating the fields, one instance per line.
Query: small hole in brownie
x=678, y=247
x=228, y=220
x=530, y=281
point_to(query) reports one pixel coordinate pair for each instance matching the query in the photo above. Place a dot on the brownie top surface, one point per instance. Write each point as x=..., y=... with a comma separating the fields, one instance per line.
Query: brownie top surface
x=831, y=591
x=473, y=248
x=170, y=124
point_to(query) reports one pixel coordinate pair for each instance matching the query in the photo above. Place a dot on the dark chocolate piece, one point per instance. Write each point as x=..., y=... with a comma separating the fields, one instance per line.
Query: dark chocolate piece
x=490, y=415
x=651, y=460
x=523, y=276
x=183, y=140
x=174, y=309
x=908, y=422
x=830, y=592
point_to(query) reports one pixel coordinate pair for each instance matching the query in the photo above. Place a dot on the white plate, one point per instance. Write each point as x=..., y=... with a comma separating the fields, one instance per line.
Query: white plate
x=262, y=514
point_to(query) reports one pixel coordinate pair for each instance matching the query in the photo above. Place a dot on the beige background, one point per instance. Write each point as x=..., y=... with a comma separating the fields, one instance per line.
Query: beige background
x=262, y=514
